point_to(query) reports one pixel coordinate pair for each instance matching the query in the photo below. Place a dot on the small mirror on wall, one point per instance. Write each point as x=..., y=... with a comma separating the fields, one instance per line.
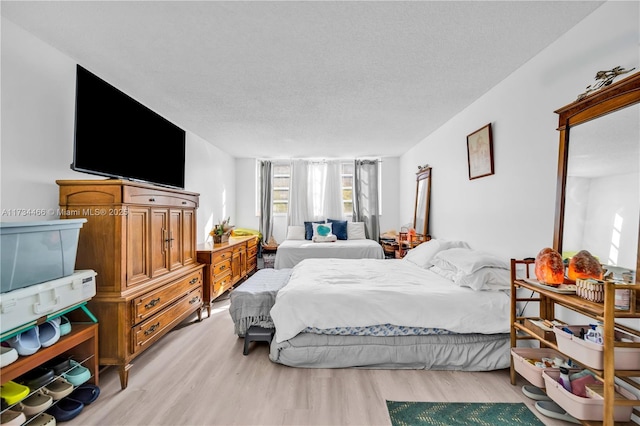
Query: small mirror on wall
x=423, y=195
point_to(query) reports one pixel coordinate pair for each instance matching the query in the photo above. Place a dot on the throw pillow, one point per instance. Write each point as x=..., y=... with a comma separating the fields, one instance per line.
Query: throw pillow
x=295, y=233
x=308, y=229
x=322, y=230
x=355, y=231
x=339, y=228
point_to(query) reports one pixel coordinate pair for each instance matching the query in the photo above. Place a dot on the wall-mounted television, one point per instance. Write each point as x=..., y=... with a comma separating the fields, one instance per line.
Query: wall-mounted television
x=118, y=137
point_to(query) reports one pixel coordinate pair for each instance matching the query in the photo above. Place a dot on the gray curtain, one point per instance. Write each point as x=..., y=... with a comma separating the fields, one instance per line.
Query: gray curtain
x=266, y=201
x=365, y=197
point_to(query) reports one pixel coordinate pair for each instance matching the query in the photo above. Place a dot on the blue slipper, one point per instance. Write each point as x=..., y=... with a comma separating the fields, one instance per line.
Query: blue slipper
x=66, y=409
x=26, y=343
x=86, y=393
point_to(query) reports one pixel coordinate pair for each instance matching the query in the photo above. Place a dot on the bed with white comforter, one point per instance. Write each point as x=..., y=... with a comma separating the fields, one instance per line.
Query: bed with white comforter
x=291, y=252
x=419, y=312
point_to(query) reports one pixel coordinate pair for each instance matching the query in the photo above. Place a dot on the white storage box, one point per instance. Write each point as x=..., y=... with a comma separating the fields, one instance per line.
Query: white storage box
x=592, y=354
x=36, y=252
x=22, y=306
x=583, y=408
x=526, y=369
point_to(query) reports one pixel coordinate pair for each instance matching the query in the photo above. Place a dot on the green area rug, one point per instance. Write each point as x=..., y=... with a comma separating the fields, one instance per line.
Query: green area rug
x=461, y=413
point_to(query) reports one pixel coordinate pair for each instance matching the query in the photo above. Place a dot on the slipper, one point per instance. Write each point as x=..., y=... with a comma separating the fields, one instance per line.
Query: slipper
x=78, y=374
x=12, y=392
x=535, y=393
x=36, y=403
x=66, y=409
x=36, y=378
x=12, y=418
x=43, y=419
x=553, y=410
x=86, y=393
x=59, y=365
x=26, y=343
x=65, y=326
x=58, y=389
x=49, y=332
x=7, y=356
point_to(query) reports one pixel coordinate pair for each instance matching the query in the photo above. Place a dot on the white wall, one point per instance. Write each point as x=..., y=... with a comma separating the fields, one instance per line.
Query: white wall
x=246, y=198
x=511, y=213
x=36, y=147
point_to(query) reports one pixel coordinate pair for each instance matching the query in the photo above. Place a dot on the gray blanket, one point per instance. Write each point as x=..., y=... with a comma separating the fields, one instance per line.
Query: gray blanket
x=252, y=300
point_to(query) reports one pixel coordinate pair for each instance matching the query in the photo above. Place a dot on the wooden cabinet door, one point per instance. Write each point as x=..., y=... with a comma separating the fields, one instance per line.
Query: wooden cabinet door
x=159, y=246
x=236, y=267
x=175, y=239
x=137, y=246
x=189, y=253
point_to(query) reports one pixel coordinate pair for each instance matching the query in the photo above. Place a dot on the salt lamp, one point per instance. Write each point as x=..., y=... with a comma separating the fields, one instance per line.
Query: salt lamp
x=549, y=267
x=583, y=265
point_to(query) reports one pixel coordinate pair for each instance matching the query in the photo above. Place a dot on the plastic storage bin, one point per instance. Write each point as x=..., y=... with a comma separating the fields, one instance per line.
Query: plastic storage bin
x=35, y=252
x=20, y=307
x=529, y=371
x=583, y=408
x=592, y=354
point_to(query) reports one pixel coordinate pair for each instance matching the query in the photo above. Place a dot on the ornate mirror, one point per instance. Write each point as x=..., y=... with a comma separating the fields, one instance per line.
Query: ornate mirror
x=423, y=195
x=598, y=197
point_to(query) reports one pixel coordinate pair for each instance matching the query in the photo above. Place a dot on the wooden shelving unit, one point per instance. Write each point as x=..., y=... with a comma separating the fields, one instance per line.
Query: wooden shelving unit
x=605, y=312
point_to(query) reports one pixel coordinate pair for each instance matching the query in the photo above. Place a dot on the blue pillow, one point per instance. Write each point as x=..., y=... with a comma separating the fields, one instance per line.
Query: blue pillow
x=339, y=228
x=308, y=229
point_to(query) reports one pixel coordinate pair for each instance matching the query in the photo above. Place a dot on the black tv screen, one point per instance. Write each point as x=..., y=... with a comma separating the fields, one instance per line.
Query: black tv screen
x=118, y=137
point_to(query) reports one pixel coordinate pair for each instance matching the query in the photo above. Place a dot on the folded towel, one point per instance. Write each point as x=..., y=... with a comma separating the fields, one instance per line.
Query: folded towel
x=324, y=239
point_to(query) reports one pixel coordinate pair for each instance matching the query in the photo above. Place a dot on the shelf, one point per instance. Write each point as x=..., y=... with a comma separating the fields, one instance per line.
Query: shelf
x=604, y=312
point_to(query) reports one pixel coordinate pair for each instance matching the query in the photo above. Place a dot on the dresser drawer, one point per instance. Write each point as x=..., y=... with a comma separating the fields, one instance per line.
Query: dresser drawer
x=221, y=268
x=253, y=242
x=159, y=324
x=156, y=300
x=157, y=197
x=252, y=264
x=222, y=283
x=239, y=248
x=221, y=256
x=252, y=251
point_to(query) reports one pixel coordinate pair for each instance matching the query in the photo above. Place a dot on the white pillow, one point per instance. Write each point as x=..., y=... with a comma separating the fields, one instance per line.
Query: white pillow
x=295, y=233
x=423, y=254
x=355, y=231
x=450, y=275
x=487, y=278
x=466, y=261
x=322, y=230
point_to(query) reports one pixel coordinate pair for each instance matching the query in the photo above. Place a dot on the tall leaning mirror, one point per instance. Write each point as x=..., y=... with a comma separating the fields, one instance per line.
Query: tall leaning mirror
x=598, y=204
x=423, y=196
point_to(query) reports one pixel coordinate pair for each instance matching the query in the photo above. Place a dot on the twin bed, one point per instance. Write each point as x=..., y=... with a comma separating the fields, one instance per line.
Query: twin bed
x=444, y=307
x=292, y=252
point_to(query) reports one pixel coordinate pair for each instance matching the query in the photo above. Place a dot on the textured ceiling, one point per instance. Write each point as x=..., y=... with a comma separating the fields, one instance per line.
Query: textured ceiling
x=301, y=78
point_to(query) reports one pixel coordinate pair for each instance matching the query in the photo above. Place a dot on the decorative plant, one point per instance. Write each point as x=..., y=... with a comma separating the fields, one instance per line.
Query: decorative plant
x=222, y=228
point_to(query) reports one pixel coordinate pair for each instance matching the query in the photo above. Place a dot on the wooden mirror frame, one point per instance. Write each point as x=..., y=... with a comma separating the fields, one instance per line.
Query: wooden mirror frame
x=614, y=97
x=424, y=173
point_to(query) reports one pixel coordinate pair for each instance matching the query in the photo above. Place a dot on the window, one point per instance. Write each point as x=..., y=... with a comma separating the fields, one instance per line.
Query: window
x=281, y=179
x=346, y=177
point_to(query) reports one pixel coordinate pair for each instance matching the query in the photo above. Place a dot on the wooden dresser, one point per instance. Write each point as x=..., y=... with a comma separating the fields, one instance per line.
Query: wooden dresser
x=141, y=241
x=226, y=264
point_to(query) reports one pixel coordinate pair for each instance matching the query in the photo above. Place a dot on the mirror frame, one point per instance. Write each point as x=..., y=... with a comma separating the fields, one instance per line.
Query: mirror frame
x=424, y=173
x=614, y=97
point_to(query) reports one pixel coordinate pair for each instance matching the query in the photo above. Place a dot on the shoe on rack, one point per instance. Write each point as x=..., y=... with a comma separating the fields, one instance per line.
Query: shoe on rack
x=12, y=418
x=78, y=374
x=86, y=393
x=65, y=326
x=535, y=393
x=66, y=409
x=7, y=355
x=36, y=378
x=43, y=419
x=59, y=364
x=49, y=332
x=36, y=403
x=26, y=343
x=58, y=389
x=12, y=392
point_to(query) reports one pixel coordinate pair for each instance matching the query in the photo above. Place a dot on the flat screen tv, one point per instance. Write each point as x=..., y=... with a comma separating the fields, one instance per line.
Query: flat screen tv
x=118, y=137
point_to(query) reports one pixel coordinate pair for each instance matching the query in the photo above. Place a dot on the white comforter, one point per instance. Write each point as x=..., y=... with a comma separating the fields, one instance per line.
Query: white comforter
x=328, y=293
x=291, y=252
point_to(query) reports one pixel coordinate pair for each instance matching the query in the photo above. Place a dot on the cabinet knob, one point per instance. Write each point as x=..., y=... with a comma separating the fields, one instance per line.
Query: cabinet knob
x=152, y=303
x=152, y=200
x=193, y=281
x=152, y=329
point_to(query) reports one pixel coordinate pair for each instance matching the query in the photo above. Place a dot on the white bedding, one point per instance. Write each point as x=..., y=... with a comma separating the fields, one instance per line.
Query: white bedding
x=291, y=252
x=328, y=293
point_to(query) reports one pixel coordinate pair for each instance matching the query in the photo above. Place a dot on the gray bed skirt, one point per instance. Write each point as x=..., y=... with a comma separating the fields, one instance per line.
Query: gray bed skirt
x=463, y=352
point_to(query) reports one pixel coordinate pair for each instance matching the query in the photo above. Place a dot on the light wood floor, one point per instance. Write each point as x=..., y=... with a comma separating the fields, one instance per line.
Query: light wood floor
x=197, y=375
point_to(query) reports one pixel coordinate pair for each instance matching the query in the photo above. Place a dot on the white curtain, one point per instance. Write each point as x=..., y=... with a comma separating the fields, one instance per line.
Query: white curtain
x=365, y=197
x=315, y=192
x=266, y=201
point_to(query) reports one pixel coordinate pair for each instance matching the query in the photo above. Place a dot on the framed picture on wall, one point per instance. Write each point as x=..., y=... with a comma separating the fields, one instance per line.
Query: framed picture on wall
x=480, y=152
